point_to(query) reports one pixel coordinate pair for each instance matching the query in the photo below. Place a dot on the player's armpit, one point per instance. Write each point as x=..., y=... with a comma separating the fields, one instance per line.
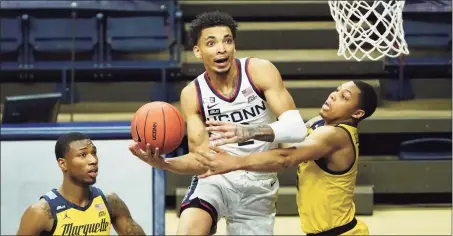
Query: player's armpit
x=198, y=138
x=36, y=219
x=122, y=220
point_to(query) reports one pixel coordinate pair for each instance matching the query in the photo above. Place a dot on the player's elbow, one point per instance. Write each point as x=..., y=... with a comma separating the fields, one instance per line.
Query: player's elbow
x=290, y=128
x=299, y=131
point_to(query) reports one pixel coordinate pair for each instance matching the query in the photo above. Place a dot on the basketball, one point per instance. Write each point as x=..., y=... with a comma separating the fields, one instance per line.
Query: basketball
x=160, y=124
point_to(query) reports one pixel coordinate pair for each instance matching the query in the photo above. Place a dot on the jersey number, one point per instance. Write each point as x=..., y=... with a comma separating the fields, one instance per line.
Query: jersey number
x=246, y=142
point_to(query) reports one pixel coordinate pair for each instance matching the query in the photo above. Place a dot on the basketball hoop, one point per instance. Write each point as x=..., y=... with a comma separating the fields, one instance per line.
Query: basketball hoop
x=369, y=29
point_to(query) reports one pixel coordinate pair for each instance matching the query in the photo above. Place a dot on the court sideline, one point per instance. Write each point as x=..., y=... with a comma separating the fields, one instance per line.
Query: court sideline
x=386, y=220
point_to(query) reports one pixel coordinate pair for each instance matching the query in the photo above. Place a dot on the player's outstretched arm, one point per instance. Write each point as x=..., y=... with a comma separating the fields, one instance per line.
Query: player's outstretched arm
x=198, y=139
x=320, y=143
x=121, y=217
x=290, y=127
x=36, y=219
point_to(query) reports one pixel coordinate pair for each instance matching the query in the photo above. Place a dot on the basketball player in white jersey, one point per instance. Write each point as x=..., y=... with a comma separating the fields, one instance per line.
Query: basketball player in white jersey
x=248, y=91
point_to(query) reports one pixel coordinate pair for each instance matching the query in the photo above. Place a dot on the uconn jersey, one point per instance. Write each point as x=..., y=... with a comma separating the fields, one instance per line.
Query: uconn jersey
x=246, y=199
x=246, y=105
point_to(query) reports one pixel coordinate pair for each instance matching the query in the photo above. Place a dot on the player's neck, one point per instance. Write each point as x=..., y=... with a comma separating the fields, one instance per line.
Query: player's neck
x=74, y=193
x=221, y=81
x=338, y=121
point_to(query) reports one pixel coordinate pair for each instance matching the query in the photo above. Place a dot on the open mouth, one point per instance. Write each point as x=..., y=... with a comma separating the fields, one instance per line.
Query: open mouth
x=325, y=106
x=221, y=60
x=93, y=172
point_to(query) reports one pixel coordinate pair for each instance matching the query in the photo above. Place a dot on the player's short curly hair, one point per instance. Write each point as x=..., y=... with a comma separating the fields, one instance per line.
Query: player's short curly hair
x=368, y=98
x=210, y=19
x=63, y=142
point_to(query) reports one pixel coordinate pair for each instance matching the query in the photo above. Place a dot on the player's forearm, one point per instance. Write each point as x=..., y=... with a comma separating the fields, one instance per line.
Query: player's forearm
x=184, y=165
x=288, y=129
x=270, y=161
x=261, y=132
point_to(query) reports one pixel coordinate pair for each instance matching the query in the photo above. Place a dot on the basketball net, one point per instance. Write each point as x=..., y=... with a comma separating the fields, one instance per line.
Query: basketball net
x=369, y=29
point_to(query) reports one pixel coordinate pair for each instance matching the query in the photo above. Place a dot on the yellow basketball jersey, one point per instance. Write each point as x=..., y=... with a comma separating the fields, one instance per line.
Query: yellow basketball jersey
x=71, y=219
x=325, y=197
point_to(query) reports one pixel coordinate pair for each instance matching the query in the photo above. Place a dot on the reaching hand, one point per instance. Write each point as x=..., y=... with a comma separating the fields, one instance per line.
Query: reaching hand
x=217, y=163
x=153, y=159
x=228, y=132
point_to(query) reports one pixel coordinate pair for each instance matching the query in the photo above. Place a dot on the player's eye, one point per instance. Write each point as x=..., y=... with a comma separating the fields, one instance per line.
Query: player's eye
x=229, y=41
x=210, y=43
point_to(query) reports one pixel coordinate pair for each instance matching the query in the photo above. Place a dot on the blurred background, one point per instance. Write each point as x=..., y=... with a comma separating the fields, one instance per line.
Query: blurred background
x=94, y=63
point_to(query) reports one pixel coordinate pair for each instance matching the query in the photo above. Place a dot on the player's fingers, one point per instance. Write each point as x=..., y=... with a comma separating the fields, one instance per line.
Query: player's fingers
x=205, y=156
x=216, y=123
x=221, y=128
x=149, y=151
x=221, y=136
x=203, y=161
x=132, y=149
x=226, y=141
x=156, y=153
x=217, y=149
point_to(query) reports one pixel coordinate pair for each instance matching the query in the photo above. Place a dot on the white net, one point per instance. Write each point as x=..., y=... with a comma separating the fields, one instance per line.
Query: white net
x=369, y=29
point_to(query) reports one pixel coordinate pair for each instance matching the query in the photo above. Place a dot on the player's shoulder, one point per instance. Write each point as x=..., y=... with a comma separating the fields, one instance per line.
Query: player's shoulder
x=330, y=133
x=263, y=72
x=189, y=92
x=189, y=89
x=40, y=210
x=259, y=63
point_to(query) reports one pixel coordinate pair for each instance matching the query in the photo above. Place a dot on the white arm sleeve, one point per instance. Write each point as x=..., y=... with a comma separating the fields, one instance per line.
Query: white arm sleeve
x=290, y=127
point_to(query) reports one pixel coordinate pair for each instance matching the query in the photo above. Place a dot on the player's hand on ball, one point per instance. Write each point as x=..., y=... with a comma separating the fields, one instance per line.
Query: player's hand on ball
x=217, y=162
x=228, y=132
x=150, y=157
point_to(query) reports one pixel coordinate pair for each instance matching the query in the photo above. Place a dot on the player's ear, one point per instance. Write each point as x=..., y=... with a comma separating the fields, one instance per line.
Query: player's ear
x=196, y=52
x=62, y=164
x=358, y=114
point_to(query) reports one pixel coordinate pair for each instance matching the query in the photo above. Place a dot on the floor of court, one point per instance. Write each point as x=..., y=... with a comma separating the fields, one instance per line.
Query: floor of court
x=386, y=220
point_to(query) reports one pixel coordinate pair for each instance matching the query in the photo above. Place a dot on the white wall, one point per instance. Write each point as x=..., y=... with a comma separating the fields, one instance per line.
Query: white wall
x=29, y=170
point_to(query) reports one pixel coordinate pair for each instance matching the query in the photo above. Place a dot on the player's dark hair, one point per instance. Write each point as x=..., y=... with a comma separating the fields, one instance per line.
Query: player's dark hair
x=63, y=142
x=210, y=19
x=368, y=98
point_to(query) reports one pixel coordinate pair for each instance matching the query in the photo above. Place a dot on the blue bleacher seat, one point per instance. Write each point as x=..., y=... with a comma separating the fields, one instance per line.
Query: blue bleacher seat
x=136, y=35
x=63, y=35
x=425, y=35
x=426, y=149
x=11, y=42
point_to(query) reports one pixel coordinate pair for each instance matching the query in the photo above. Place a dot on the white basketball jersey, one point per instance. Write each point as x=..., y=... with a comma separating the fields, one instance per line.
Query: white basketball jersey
x=247, y=105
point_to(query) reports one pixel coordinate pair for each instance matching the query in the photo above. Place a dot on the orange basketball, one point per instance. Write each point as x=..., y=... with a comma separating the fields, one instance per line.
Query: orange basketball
x=160, y=124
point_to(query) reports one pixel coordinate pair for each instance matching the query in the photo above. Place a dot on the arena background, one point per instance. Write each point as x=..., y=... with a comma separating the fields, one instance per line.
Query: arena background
x=107, y=58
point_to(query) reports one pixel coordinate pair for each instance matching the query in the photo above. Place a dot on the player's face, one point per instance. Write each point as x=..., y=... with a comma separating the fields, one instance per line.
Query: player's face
x=216, y=48
x=81, y=162
x=342, y=104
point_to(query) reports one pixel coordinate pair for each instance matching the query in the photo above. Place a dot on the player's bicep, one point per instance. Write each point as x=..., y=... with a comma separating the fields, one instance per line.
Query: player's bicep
x=197, y=135
x=196, y=129
x=279, y=100
x=123, y=222
x=321, y=142
x=269, y=80
x=33, y=221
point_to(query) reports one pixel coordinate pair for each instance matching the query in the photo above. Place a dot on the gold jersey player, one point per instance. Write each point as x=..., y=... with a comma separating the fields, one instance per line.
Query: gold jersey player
x=327, y=159
x=77, y=208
